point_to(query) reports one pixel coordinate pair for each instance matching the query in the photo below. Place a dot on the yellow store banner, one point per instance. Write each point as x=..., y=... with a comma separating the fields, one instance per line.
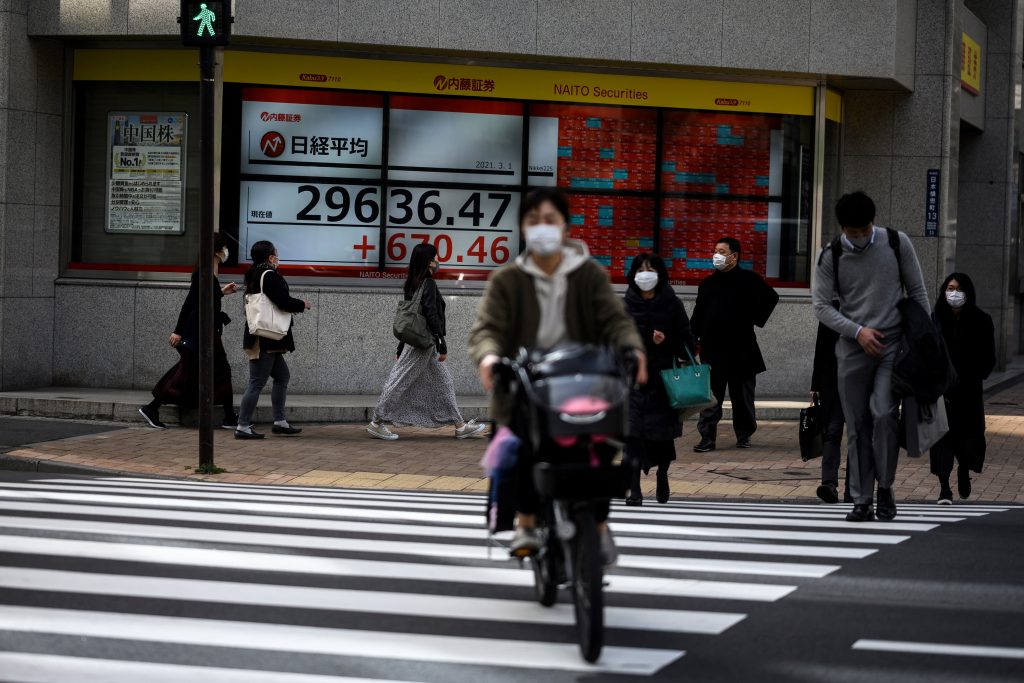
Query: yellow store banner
x=970, y=65
x=268, y=68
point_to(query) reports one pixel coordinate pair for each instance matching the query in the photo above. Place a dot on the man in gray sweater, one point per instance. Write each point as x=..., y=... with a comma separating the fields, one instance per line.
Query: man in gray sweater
x=870, y=329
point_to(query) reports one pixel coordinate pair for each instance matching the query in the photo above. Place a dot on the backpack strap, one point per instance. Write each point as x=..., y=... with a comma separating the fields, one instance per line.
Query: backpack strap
x=894, y=242
x=837, y=250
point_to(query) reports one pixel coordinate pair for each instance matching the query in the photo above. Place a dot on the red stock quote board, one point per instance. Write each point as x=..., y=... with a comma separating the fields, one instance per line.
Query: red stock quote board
x=615, y=228
x=727, y=158
x=690, y=228
x=601, y=148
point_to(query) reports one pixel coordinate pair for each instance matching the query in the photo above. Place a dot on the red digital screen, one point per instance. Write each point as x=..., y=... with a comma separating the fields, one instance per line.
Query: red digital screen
x=615, y=228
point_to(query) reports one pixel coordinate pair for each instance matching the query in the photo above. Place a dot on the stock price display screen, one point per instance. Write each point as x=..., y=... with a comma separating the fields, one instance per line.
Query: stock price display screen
x=314, y=181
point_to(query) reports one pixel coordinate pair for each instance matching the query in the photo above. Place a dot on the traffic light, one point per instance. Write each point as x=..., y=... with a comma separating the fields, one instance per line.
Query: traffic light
x=205, y=22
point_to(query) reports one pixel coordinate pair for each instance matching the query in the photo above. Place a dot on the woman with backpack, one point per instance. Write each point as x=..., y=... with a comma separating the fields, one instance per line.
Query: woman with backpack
x=419, y=391
x=970, y=338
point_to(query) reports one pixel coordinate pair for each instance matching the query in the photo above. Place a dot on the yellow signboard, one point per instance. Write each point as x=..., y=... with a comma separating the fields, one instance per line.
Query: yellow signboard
x=268, y=68
x=970, y=65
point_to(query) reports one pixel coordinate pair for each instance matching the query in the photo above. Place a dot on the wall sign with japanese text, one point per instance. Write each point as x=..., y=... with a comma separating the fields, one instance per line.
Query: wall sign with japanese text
x=931, y=210
x=146, y=172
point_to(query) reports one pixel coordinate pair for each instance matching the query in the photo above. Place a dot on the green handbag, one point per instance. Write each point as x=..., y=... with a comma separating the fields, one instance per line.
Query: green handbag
x=410, y=325
x=688, y=387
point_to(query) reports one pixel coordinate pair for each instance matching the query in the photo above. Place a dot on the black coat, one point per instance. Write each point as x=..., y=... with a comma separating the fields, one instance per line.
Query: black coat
x=433, y=308
x=187, y=326
x=651, y=417
x=276, y=289
x=729, y=305
x=824, y=377
x=970, y=338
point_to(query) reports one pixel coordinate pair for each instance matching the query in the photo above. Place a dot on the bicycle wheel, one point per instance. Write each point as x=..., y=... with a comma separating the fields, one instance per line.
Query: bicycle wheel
x=544, y=584
x=588, y=595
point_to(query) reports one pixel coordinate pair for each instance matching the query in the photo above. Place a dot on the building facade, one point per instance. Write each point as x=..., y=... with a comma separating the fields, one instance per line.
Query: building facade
x=350, y=130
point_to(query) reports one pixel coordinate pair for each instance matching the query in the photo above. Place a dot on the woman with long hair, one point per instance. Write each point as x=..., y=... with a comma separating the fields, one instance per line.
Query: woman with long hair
x=266, y=356
x=419, y=391
x=970, y=338
x=180, y=384
x=665, y=329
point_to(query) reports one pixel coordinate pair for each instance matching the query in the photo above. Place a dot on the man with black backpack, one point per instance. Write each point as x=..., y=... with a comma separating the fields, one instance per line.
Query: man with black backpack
x=868, y=268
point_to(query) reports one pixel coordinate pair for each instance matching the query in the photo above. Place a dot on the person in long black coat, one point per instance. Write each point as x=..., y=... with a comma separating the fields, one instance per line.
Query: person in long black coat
x=825, y=388
x=665, y=328
x=970, y=338
x=730, y=303
x=180, y=385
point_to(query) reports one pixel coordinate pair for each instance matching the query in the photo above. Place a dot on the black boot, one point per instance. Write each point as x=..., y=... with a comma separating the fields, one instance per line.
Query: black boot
x=663, y=488
x=636, y=496
x=862, y=512
x=706, y=445
x=963, y=482
x=886, y=504
x=828, y=492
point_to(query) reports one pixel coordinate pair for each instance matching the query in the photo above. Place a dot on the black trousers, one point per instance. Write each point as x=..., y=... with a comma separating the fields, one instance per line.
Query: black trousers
x=741, y=392
x=834, y=422
x=527, y=499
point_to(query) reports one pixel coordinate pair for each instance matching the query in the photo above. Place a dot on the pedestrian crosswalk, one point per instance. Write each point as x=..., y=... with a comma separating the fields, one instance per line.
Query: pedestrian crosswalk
x=130, y=579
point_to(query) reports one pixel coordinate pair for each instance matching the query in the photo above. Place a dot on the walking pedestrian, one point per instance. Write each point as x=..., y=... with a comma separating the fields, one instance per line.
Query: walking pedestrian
x=825, y=389
x=266, y=356
x=551, y=294
x=730, y=303
x=180, y=385
x=875, y=265
x=970, y=338
x=665, y=329
x=419, y=390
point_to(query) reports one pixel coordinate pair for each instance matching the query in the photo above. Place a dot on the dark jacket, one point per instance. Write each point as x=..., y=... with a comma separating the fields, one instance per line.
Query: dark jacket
x=276, y=290
x=651, y=417
x=824, y=376
x=187, y=326
x=432, y=306
x=970, y=338
x=729, y=305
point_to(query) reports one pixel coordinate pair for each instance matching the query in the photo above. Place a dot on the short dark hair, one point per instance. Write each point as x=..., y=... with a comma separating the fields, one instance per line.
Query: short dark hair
x=262, y=251
x=535, y=198
x=734, y=244
x=855, y=210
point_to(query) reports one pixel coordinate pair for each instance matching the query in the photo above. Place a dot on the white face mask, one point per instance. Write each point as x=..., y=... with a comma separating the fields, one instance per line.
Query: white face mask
x=719, y=261
x=544, y=239
x=859, y=243
x=956, y=299
x=224, y=255
x=646, y=280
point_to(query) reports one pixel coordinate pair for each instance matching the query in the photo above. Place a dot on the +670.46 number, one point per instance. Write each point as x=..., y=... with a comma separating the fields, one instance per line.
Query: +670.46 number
x=495, y=252
x=365, y=206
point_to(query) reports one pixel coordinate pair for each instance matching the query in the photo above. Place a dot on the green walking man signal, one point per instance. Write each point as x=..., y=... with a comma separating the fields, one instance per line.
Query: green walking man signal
x=205, y=23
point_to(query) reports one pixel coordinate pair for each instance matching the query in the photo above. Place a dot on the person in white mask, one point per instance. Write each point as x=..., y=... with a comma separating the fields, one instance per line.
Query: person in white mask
x=730, y=303
x=970, y=339
x=554, y=292
x=665, y=328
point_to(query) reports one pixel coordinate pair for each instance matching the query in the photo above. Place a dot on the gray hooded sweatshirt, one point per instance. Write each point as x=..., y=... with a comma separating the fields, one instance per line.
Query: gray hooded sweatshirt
x=551, y=290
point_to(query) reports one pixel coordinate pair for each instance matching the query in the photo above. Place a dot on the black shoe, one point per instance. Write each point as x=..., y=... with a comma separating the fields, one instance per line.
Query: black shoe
x=828, y=492
x=663, y=491
x=289, y=430
x=705, y=446
x=945, y=497
x=861, y=512
x=744, y=442
x=230, y=422
x=152, y=417
x=963, y=483
x=247, y=435
x=886, y=504
x=634, y=501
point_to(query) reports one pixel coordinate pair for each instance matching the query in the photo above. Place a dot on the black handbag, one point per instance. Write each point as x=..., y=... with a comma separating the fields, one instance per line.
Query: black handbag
x=812, y=437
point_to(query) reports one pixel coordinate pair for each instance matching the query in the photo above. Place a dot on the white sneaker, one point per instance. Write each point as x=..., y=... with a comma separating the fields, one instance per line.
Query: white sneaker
x=469, y=429
x=381, y=432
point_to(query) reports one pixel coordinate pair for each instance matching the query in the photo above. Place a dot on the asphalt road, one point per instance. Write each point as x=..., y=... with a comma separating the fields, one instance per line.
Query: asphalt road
x=133, y=579
x=18, y=431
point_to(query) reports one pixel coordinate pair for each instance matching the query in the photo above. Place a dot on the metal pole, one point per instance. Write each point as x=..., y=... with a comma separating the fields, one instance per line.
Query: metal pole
x=206, y=146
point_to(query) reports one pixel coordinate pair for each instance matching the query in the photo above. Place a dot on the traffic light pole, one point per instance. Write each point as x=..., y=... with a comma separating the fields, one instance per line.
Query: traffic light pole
x=207, y=68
